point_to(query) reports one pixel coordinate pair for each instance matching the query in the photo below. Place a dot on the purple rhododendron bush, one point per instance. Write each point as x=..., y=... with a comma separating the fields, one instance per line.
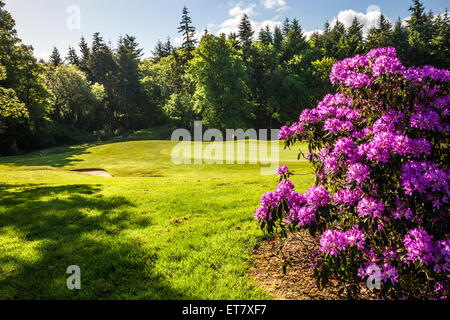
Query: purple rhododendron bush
x=380, y=149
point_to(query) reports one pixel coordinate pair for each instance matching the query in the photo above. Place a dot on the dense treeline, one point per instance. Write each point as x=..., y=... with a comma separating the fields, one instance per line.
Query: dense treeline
x=258, y=79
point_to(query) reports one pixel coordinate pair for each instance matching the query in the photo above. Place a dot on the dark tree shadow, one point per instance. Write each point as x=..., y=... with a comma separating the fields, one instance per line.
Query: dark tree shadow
x=63, y=156
x=76, y=226
x=54, y=157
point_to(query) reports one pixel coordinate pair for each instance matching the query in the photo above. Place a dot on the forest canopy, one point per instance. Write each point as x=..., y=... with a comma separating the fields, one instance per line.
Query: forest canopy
x=250, y=79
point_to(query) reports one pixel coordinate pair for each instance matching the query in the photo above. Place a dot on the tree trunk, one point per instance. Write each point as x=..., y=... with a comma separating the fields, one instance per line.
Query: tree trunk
x=13, y=147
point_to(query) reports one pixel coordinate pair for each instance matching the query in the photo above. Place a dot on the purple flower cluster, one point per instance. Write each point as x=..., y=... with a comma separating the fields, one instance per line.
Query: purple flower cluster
x=333, y=242
x=420, y=74
x=386, y=64
x=271, y=200
x=401, y=211
x=358, y=172
x=389, y=273
x=302, y=208
x=427, y=120
x=422, y=248
x=379, y=148
x=361, y=71
x=385, y=144
x=344, y=145
x=389, y=122
x=442, y=289
x=304, y=216
x=419, y=246
x=424, y=176
x=285, y=132
x=442, y=254
x=317, y=196
x=348, y=196
x=282, y=171
x=369, y=207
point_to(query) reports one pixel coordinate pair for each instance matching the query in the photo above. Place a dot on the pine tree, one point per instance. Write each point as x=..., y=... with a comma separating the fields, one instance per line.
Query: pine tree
x=399, y=40
x=326, y=28
x=188, y=32
x=128, y=59
x=315, y=40
x=233, y=36
x=55, y=58
x=294, y=43
x=265, y=35
x=167, y=47
x=331, y=37
x=371, y=41
x=245, y=32
x=385, y=27
x=286, y=26
x=277, y=38
x=84, y=59
x=245, y=37
x=162, y=50
x=72, y=57
x=420, y=34
x=418, y=17
x=440, y=44
x=103, y=69
x=380, y=36
x=354, y=39
x=101, y=59
x=158, y=52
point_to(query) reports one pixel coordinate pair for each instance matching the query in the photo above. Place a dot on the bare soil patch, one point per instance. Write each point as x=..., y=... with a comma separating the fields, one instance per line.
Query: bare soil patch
x=299, y=282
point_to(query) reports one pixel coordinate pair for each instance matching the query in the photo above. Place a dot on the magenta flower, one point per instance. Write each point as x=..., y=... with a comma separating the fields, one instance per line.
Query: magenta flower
x=369, y=207
x=282, y=171
x=358, y=172
x=284, y=133
x=419, y=246
x=317, y=196
x=379, y=149
x=389, y=273
x=333, y=242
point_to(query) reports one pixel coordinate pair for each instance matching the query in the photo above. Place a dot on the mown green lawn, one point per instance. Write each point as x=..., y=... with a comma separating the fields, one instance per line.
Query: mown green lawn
x=154, y=231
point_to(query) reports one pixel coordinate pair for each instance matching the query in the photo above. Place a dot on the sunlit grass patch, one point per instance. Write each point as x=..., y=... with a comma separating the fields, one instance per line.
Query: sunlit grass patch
x=153, y=231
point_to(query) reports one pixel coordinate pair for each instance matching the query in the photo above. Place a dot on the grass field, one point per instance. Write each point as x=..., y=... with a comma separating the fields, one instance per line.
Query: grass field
x=153, y=231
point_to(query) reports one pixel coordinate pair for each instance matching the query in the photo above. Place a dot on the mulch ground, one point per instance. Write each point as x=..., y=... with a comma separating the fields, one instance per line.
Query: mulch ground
x=299, y=282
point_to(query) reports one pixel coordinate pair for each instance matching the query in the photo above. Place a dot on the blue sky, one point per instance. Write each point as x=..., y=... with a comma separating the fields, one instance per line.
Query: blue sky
x=48, y=23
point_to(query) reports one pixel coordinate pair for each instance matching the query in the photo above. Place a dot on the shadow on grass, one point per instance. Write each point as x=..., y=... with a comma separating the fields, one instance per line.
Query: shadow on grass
x=63, y=156
x=158, y=133
x=76, y=226
x=55, y=157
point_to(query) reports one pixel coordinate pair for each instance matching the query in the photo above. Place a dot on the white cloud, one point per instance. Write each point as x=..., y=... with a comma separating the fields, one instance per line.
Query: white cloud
x=282, y=9
x=308, y=34
x=43, y=55
x=237, y=11
x=270, y=4
x=232, y=24
x=278, y=5
x=405, y=21
x=373, y=8
x=368, y=19
x=229, y=25
x=276, y=21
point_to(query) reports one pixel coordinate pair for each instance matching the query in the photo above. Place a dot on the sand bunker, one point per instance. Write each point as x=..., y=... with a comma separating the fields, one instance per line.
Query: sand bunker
x=95, y=172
